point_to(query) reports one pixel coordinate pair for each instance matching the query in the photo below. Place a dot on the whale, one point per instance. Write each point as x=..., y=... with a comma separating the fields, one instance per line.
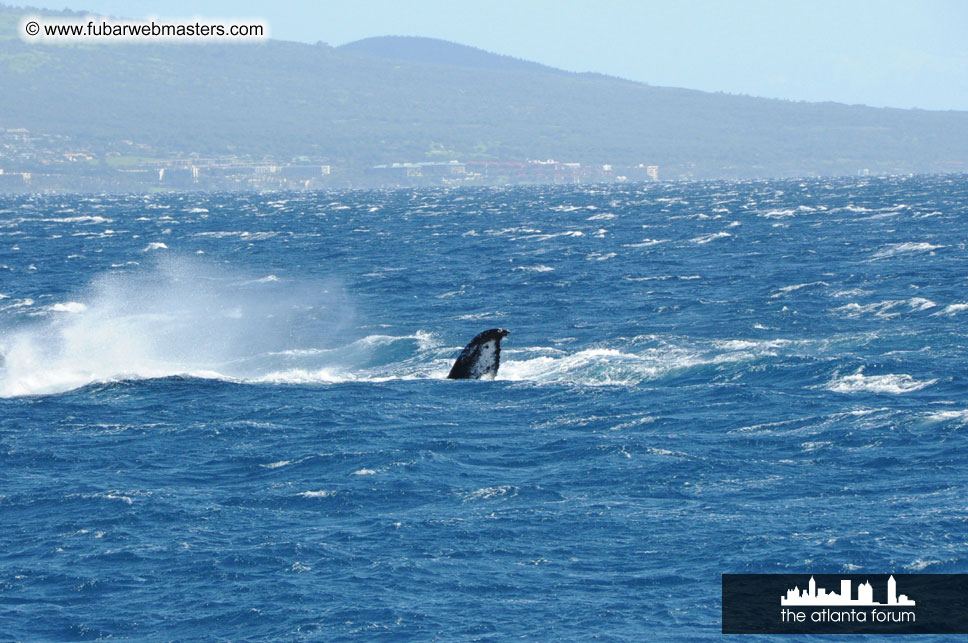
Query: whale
x=481, y=358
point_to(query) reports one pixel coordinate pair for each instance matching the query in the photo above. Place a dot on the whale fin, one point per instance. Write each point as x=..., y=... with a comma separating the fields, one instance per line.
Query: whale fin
x=481, y=357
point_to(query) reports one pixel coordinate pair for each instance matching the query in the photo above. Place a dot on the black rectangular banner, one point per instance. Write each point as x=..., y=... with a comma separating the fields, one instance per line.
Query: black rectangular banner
x=845, y=603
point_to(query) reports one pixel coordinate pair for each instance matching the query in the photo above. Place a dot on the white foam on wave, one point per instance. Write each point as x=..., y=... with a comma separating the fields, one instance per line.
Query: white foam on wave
x=919, y=564
x=788, y=289
x=181, y=317
x=920, y=303
x=77, y=219
x=538, y=268
x=546, y=237
x=599, y=366
x=26, y=302
x=358, y=361
x=895, y=249
x=489, y=493
x=851, y=292
x=645, y=243
x=323, y=493
x=241, y=234
x=68, y=307
x=276, y=465
x=786, y=213
x=710, y=237
x=538, y=365
x=186, y=317
x=304, y=376
x=617, y=367
x=478, y=316
x=946, y=416
x=891, y=383
x=885, y=309
x=953, y=309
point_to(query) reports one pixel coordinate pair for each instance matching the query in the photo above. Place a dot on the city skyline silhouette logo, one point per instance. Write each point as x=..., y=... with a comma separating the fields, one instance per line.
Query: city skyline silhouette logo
x=819, y=596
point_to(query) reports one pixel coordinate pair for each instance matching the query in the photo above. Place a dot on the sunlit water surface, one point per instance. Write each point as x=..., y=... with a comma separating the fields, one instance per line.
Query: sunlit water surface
x=225, y=416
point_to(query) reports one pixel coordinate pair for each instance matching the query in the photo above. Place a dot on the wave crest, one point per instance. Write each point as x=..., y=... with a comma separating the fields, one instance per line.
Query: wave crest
x=893, y=384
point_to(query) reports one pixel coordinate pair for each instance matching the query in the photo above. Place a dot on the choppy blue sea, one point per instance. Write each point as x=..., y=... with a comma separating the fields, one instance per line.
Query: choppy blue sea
x=225, y=416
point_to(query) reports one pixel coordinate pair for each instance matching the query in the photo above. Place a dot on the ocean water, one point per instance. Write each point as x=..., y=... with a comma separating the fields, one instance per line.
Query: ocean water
x=225, y=416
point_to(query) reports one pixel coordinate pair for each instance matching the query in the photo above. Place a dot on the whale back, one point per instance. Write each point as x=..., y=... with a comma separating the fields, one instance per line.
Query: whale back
x=481, y=358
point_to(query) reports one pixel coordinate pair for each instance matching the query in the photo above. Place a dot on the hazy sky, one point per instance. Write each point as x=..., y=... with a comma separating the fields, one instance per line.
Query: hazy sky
x=877, y=52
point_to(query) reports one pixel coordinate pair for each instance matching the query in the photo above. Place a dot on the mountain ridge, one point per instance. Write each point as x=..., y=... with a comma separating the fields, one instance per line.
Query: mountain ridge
x=420, y=49
x=355, y=107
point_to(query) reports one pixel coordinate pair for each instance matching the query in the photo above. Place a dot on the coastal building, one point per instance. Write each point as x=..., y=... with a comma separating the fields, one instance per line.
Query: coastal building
x=14, y=180
x=178, y=176
x=423, y=173
x=303, y=172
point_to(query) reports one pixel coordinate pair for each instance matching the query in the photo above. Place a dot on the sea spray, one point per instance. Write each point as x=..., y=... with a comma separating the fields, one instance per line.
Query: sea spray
x=176, y=316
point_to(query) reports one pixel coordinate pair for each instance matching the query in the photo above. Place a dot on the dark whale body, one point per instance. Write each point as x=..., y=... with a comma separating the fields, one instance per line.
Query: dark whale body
x=481, y=357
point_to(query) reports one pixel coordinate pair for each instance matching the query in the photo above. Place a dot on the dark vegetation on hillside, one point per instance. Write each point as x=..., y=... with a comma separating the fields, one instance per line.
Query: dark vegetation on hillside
x=412, y=99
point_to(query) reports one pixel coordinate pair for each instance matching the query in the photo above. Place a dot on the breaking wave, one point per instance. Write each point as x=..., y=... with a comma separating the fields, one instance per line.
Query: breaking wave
x=179, y=317
x=185, y=317
x=893, y=384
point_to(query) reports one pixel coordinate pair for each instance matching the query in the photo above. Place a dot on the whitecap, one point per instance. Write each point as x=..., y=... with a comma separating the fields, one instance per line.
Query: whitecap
x=474, y=316
x=788, y=289
x=885, y=309
x=894, y=249
x=488, y=493
x=710, y=237
x=276, y=465
x=613, y=367
x=546, y=237
x=953, y=309
x=852, y=292
x=780, y=214
x=79, y=219
x=920, y=565
x=920, y=303
x=893, y=384
x=113, y=495
x=645, y=243
x=944, y=416
x=68, y=307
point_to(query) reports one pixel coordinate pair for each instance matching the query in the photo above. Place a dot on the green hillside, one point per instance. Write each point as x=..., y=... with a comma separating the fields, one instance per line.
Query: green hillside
x=386, y=100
